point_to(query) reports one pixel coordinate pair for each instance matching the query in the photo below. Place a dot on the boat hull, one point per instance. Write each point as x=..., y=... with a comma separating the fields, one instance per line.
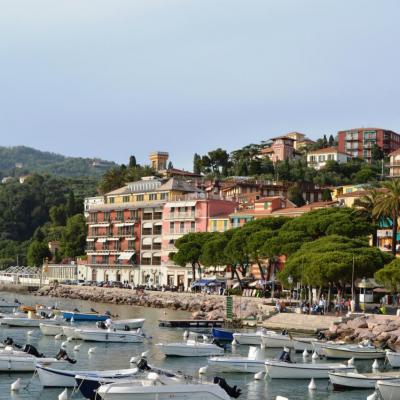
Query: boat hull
x=101, y=335
x=67, y=315
x=71, y=331
x=222, y=334
x=388, y=390
x=301, y=344
x=51, y=329
x=276, y=341
x=345, y=381
x=282, y=370
x=130, y=323
x=26, y=322
x=185, y=350
x=252, y=339
x=357, y=354
x=393, y=359
x=236, y=364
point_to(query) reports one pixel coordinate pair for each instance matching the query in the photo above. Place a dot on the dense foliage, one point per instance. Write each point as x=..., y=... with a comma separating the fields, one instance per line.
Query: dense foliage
x=36, y=161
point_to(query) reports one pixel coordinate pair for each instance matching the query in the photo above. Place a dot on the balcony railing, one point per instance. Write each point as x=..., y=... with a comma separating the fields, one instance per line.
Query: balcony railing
x=181, y=215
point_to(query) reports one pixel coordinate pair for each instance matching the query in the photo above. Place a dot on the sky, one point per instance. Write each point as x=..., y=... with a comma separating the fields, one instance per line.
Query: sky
x=108, y=79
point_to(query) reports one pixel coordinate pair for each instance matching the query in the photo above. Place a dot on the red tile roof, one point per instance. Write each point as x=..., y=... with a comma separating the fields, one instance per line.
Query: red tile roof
x=327, y=150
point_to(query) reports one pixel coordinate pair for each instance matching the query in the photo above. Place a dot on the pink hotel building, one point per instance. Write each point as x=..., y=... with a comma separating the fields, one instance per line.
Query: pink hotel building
x=190, y=214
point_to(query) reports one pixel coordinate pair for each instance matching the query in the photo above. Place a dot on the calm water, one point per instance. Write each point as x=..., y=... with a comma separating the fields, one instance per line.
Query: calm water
x=113, y=356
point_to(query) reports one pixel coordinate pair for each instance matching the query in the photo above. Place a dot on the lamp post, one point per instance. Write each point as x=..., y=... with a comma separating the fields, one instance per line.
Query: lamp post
x=290, y=281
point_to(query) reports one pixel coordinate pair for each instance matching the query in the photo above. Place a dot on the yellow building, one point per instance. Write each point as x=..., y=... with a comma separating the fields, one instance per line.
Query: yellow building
x=346, y=189
x=219, y=223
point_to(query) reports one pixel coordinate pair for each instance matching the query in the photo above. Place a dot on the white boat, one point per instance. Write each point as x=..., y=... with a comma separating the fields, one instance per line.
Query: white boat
x=250, y=338
x=121, y=324
x=161, y=388
x=27, y=322
x=388, y=390
x=358, y=353
x=393, y=358
x=190, y=348
x=304, y=343
x=19, y=361
x=319, y=345
x=51, y=329
x=71, y=331
x=51, y=377
x=253, y=363
x=276, y=340
x=284, y=370
x=6, y=304
x=354, y=380
x=108, y=335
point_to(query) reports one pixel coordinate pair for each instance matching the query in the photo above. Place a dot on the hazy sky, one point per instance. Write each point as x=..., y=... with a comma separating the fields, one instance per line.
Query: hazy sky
x=120, y=77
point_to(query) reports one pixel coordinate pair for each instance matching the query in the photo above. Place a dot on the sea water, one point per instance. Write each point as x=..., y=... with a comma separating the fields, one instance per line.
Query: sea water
x=117, y=356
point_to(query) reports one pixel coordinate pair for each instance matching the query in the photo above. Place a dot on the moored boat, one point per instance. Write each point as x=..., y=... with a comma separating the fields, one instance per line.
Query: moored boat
x=51, y=377
x=222, y=334
x=121, y=324
x=250, y=338
x=27, y=322
x=354, y=380
x=71, y=331
x=108, y=335
x=388, y=390
x=79, y=316
x=285, y=370
x=51, y=329
x=393, y=358
x=304, y=343
x=356, y=352
x=190, y=348
x=272, y=339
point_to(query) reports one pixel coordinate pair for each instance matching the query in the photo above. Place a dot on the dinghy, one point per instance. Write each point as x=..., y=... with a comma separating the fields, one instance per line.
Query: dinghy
x=272, y=339
x=388, y=390
x=191, y=347
x=356, y=352
x=28, y=322
x=9, y=305
x=162, y=387
x=51, y=329
x=353, y=380
x=108, y=335
x=51, y=377
x=121, y=324
x=301, y=344
x=250, y=338
x=393, y=358
x=253, y=363
x=284, y=370
x=89, y=316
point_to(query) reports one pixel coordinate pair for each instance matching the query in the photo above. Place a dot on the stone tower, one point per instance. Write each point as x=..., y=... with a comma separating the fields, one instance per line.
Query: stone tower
x=159, y=160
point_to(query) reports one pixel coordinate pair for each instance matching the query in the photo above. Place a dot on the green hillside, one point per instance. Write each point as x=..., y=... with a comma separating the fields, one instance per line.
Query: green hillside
x=21, y=160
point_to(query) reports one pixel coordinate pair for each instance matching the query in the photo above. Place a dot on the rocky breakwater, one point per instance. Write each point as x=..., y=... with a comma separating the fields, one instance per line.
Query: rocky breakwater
x=202, y=306
x=380, y=329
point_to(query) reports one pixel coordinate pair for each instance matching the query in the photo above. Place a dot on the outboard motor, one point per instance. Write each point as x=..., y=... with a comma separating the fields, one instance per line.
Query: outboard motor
x=126, y=328
x=321, y=335
x=142, y=365
x=219, y=344
x=32, y=350
x=231, y=391
x=75, y=310
x=93, y=311
x=62, y=355
x=284, y=332
x=108, y=313
x=101, y=325
x=10, y=342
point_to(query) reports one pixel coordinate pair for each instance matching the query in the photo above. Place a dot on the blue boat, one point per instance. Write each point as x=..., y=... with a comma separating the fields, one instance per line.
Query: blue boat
x=78, y=316
x=222, y=334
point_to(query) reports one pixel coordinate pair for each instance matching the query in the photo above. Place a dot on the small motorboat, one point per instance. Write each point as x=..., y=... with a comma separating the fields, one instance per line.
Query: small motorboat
x=121, y=324
x=285, y=370
x=253, y=363
x=354, y=380
x=162, y=387
x=272, y=339
x=21, y=361
x=7, y=305
x=51, y=329
x=192, y=347
x=250, y=338
x=222, y=334
x=388, y=389
x=31, y=321
x=393, y=358
x=356, y=352
x=88, y=316
x=319, y=345
x=71, y=331
x=109, y=335
x=51, y=377
x=304, y=343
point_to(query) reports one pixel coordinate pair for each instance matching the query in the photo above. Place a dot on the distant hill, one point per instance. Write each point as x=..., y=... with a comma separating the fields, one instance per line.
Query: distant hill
x=21, y=160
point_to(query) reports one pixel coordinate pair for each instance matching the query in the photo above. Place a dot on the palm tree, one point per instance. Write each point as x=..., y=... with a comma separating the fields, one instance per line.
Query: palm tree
x=365, y=206
x=388, y=204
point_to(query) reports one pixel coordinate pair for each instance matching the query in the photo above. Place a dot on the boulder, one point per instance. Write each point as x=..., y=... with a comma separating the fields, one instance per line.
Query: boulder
x=357, y=323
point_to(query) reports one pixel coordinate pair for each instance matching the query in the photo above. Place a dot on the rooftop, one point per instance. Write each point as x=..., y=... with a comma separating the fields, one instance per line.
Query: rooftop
x=327, y=150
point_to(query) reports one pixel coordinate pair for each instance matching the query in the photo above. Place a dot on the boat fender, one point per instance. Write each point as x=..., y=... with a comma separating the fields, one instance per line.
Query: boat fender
x=373, y=396
x=231, y=391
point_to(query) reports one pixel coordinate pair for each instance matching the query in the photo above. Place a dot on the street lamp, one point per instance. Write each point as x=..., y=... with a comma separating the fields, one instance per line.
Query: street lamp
x=290, y=281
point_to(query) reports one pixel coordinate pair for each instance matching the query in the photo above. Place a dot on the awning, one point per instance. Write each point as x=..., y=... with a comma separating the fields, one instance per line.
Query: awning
x=90, y=240
x=132, y=238
x=158, y=224
x=113, y=239
x=158, y=254
x=126, y=256
x=98, y=225
x=146, y=255
x=120, y=225
x=147, y=225
x=147, y=241
x=157, y=240
x=102, y=240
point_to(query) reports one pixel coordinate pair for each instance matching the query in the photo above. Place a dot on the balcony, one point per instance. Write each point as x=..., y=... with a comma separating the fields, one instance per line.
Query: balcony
x=182, y=231
x=181, y=216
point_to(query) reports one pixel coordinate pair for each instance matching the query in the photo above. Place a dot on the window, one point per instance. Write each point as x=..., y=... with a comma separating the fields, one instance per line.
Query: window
x=163, y=196
x=172, y=209
x=182, y=227
x=171, y=227
x=104, y=259
x=94, y=260
x=153, y=196
x=125, y=199
x=193, y=225
x=267, y=205
x=93, y=217
x=120, y=216
x=225, y=225
x=133, y=214
x=140, y=197
x=111, y=200
x=106, y=216
x=157, y=215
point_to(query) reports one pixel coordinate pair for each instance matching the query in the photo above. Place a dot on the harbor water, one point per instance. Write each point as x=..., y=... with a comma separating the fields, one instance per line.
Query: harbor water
x=116, y=356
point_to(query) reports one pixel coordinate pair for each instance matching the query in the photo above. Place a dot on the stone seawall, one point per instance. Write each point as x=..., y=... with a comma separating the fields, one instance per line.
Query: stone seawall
x=202, y=306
